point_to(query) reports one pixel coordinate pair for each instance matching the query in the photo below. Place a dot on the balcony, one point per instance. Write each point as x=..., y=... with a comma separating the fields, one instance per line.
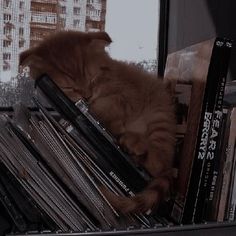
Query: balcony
x=45, y=1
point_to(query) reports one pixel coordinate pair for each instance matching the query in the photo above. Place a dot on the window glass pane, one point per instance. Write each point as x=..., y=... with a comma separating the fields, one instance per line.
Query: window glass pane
x=132, y=25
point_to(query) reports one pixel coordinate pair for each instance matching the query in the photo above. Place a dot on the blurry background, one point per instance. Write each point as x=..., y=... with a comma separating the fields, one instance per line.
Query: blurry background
x=132, y=24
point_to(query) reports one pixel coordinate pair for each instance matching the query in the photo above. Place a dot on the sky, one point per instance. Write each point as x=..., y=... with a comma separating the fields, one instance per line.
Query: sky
x=133, y=27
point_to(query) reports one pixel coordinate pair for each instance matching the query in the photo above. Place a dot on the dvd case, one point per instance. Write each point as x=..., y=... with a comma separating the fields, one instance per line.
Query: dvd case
x=59, y=164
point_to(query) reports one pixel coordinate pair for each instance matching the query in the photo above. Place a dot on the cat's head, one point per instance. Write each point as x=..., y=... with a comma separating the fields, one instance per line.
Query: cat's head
x=70, y=58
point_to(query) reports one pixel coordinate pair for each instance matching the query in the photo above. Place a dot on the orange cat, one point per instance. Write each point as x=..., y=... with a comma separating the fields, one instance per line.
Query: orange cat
x=133, y=105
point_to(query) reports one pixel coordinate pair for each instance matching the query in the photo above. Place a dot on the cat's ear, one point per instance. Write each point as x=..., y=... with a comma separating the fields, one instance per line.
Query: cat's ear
x=102, y=35
x=99, y=40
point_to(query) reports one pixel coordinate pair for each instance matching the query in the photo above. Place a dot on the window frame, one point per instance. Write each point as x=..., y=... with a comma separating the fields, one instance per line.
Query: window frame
x=163, y=36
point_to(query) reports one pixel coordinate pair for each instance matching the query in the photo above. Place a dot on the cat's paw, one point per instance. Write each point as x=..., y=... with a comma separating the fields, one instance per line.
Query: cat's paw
x=141, y=203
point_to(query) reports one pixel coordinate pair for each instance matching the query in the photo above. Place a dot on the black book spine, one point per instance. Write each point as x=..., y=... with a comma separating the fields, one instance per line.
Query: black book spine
x=203, y=132
x=25, y=212
x=116, y=178
x=215, y=177
x=209, y=173
x=12, y=209
x=128, y=174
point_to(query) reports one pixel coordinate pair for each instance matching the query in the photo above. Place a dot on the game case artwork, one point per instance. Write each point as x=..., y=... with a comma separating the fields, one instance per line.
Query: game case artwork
x=186, y=71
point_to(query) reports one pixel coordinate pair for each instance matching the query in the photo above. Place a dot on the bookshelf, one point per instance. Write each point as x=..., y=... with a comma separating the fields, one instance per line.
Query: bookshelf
x=217, y=229
x=186, y=72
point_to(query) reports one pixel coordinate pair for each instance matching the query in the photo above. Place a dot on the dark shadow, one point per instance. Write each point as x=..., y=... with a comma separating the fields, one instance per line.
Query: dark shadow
x=223, y=13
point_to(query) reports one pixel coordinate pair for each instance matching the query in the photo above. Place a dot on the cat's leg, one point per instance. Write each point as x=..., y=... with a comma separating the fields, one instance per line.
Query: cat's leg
x=145, y=201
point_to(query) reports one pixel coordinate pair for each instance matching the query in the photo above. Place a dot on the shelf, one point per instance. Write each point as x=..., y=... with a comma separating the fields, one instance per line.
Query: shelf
x=214, y=229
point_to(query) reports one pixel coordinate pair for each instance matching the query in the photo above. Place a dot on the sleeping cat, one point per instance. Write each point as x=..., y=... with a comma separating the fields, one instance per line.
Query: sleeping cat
x=132, y=104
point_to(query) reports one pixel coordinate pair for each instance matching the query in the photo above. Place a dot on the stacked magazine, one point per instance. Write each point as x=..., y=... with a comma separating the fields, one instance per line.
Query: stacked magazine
x=56, y=162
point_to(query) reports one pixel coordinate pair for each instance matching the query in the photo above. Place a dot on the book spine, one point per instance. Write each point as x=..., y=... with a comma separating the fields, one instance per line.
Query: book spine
x=12, y=209
x=214, y=138
x=27, y=213
x=215, y=180
x=203, y=132
x=232, y=200
x=228, y=167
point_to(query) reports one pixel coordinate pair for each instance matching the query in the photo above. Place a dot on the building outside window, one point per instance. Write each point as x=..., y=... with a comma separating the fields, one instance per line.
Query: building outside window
x=21, y=43
x=21, y=31
x=30, y=21
x=7, y=3
x=27, y=22
x=6, y=56
x=76, y=23
x=76, y=10
x=21, y=18
x=6, y=17
x=7, y=30
x=63, y=10
x=21, y=5
x=6, y=43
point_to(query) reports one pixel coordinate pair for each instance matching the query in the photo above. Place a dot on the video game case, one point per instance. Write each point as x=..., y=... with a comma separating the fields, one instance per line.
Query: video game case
x=65, y=166
x=12, y=209
x=121, y=169
x=23, y=210
x=39, y=181
x=213, y=193
x=79, y=147
x=231, y=203
x=203, y=132
x=214, y=138
x=14, y=160
x=228, y=169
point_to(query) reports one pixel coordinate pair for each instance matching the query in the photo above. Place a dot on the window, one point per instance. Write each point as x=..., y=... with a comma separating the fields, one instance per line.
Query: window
x=21, y=43
x=94, y=1
x=21, y=5
x=94, y=13
x=21, y=31
x=76, y=10
x=62, y=22
x=6, y=66
x=6, y=17
x=6, y=43
x=133, y=28
x=6, y=3
x=21, y=18
x=63, y=10
x=51, y=19
x=6, y=56
x=76, y=23
x=31, y=21
x=7, y=30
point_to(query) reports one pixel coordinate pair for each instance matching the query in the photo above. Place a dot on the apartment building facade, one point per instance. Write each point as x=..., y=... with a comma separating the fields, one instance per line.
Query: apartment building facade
x=24, y=23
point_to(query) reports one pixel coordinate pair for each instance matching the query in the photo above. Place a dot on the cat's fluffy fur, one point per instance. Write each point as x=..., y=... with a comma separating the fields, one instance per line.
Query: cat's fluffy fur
x=133, y=105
